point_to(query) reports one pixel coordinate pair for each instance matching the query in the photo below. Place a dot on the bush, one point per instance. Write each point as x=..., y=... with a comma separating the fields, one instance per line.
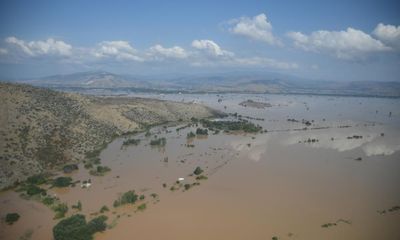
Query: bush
x=78, y=206
x=200, y=131
x=187, y=186
x=100, y=171
x=191, y=135
x=104, y=209
x=98, y=224
x=48, y=201
x=12, y=218
x=201, y=177
x=158, y=142
x=128, y=197
x=62, y=182
x=76, y=228
x=198, y=171
x=142, y=207
x=37, y=179
x=60, y=209
x=33, y=190
x=131, y=142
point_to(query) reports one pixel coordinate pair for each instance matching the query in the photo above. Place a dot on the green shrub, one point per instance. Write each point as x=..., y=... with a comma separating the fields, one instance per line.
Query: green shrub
x=76, y=228
x=98, y=224
x=33, y=190
x=12, y=218
x=131, y=142
x=158, y=142
x=187, y=186
x=191, y=135
x=198, y=171
x=128, y=197
x=48, y=201
x=142, y=207
x=37, y=179
x=61, y=209
x=200, y=131
x=78, y=206
x=62, y=182
x=104, y=209
x=201, y=177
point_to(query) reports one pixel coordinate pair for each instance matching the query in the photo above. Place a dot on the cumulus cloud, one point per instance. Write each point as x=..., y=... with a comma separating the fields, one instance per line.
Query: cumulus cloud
x=388, y=34
x=256, y=28
x=39, y=48
x=349, y=44
x=120, y=50
x=158, y=52
x=211, y=48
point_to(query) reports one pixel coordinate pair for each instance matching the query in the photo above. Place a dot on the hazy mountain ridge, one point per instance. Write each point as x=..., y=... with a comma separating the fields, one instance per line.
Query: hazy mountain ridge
x=218, y=82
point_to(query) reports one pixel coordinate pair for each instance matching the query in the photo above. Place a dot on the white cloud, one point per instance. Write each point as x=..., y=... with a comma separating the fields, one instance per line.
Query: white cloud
x=3, y=51
x=211, y=48
x=257, y=28
x=158, y=52
x=349, y=44
x=38, y=48
x=120, y=50
x=388, y=34
x=266, y=62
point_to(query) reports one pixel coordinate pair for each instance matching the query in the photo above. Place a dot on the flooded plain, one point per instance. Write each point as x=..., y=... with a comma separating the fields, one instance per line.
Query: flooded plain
x=325, y=168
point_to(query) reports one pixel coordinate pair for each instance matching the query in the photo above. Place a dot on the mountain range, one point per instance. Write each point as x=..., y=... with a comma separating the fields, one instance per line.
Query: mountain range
x=233, y=82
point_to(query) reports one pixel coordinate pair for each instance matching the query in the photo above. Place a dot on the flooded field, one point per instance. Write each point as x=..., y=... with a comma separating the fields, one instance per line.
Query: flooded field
x=322, y=168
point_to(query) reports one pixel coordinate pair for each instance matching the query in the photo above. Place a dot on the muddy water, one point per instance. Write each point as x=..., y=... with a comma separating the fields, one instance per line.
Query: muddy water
x=259, y=186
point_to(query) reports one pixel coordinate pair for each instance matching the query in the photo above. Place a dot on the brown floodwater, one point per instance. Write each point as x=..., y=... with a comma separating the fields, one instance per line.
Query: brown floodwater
x=259, y=185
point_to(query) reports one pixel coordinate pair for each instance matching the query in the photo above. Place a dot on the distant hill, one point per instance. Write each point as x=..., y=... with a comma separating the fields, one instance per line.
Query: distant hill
x=42, y=129
x=241, y=82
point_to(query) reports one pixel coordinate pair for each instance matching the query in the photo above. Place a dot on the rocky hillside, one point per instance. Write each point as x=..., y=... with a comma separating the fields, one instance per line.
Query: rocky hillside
x=42, y=129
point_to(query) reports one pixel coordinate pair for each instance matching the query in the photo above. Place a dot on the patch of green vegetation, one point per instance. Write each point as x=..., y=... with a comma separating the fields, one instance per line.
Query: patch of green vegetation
x=198, y=171
x=142, y=197
x=142, y=207
x=100, y=171
x=60, y=209
x=78, y=206
x=76, y=227
x=164, y=185
x=147, y=134
x=37, y=179
x=158, y=142
x=201, y=177
x=187, y=186
x=128, y=197
x=191, y=135
x=154, y=195
x=242, y=125
x=131, y=142
x=104, y=209
x=274, y=238
x=12, y=218
x=48, y=201
x=326, y=225
x=34, y=190
x=27, y=235
x=62, y=182
x=201, y=131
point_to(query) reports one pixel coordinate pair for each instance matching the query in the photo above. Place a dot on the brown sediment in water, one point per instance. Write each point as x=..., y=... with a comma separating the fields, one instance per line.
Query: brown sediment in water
x=274, y=187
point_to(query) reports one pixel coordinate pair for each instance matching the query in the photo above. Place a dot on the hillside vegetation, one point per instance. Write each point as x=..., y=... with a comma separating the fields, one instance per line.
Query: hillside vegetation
x=42, y=129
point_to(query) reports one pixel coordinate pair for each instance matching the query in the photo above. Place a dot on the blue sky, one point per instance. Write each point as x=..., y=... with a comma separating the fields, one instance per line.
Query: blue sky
x=335, y=40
